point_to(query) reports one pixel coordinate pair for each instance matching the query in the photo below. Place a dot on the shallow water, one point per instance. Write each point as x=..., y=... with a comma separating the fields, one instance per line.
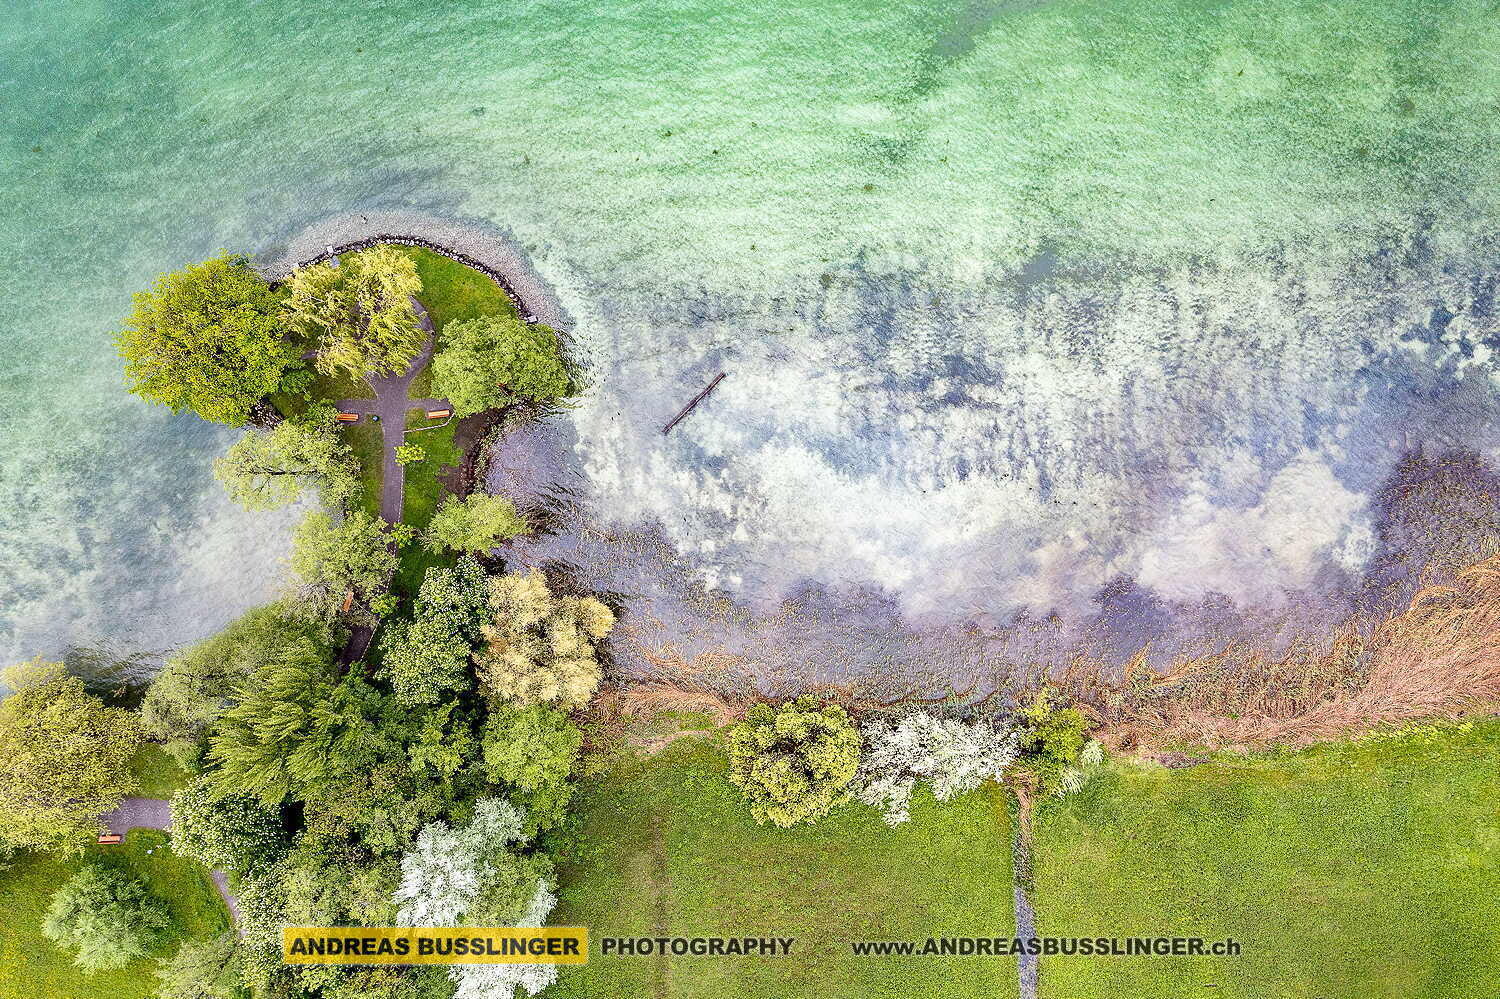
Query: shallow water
x=1018, y=301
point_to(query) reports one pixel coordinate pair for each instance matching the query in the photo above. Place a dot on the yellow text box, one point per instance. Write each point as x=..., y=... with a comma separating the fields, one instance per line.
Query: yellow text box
x=434, y=945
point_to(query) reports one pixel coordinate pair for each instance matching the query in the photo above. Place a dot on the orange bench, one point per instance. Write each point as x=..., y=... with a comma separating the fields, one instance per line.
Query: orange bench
x=439, y=414
x=348, y=417
x=111, y=839
x=348, y=602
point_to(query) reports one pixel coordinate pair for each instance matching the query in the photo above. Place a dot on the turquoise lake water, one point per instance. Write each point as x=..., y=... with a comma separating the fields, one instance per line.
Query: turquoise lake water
x=1018, y=300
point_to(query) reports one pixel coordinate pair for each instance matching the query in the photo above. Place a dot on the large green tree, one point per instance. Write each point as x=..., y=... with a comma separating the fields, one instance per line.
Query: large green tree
x=493, y=361
x=358, y=314
x=207, y=338
x=476, y=523
x=428, y=655
x=64, y=759
x=109, y=918
x=794, y=762
x=198, y=684
x=332, y=558
x=266, y=469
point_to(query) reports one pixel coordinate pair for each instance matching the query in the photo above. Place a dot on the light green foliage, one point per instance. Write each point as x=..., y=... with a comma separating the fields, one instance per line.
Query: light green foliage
x=428, y=655
x=197, y=685
x=266, y=469
x=231, y=832
x=477, y=523
x=794, y=762
x=493, y=361
x=64, y=759
x=410, y=452
x=107, y=917
x=359, y=314
x=331, y=558
x=532, y=752
x=540, y=648
x=1050, y=739
x=206, y=339
x=291, y=729
x=202, y=969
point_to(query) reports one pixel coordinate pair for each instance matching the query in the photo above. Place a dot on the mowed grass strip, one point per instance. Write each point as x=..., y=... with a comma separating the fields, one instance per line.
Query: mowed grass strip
x=32, y=967
x=667, y=847
x=157, y=772
x=1359, y=870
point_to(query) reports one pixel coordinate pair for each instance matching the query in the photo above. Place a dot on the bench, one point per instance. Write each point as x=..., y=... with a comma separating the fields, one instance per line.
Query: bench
x=439, y=414
x=111, y=839
x=348, y=602
x=348, y=417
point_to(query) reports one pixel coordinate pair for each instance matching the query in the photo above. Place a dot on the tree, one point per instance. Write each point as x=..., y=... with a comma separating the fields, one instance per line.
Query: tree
x=1051, y=739
x=446, y=871
x=951, y=757
x=493, y=361
x=294, y=733
x=64, y=759
x=207, y=338
x=794, y=762
x=202, y=969
x=359, y=312
x=532, y=752
x=197, y=685
x=477, y=523
x=107, y=917
x=266, y=469
x=500, y=981
x=230, y=832
x=429, y=655
x=540, y=648
x=330, y=559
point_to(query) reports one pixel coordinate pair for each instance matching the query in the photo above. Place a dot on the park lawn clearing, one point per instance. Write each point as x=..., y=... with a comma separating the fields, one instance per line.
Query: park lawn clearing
x=1359, y=870
x=32, y=967
x=365, y=440
x=667, y=847
x=157, y=773
x=423, y=486
x=453, y=292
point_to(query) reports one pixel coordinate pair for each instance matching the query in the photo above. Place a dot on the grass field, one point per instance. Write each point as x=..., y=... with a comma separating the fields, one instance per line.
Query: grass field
x=453, y=292
x=158, y=773
x=368, y=445
x=1359, y=870
x=423, y=490
x=667, y=846
x=31, y=967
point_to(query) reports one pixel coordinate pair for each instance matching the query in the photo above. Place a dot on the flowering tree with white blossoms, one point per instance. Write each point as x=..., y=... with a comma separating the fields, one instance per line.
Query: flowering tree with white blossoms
x=950, y=756
x=450, y=875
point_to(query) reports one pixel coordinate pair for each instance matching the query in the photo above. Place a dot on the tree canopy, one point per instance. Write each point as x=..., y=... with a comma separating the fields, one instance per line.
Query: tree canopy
x=477, y=523
x=794, y=762
x=428, y=655
x=207, y=339
x=108, y=917
x=541, y=648
x=358, y=314
x=266, y=469
x=493, y=361
x=64, y=759
x=331, y=558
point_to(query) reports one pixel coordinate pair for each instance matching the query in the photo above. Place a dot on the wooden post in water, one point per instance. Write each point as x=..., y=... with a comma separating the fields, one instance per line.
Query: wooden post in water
x=693, y=402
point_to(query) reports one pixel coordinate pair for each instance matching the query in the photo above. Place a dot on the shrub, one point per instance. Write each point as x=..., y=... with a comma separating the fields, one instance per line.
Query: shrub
x=540, y=648
x=107, y=917
x=794, y=762
x=410, y=453
x=1051, y=739
x=950, y=756
x=231, y=832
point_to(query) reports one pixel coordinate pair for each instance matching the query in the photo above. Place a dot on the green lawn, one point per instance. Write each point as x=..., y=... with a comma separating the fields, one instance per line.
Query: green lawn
x=368, y=445
x=32, y=968
x=667, y=846
x=453, y=292
x=158, y=773
x=1359, y=870
x=423, y=490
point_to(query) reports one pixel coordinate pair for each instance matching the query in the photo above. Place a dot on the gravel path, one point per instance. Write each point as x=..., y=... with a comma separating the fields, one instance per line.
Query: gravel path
x=156, y=813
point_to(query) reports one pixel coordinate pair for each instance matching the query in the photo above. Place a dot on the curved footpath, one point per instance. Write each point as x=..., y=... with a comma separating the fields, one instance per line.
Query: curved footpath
x=156, y=813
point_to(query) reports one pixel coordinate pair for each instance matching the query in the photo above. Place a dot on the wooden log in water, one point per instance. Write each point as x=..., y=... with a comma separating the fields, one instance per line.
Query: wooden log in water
x=693, y=402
